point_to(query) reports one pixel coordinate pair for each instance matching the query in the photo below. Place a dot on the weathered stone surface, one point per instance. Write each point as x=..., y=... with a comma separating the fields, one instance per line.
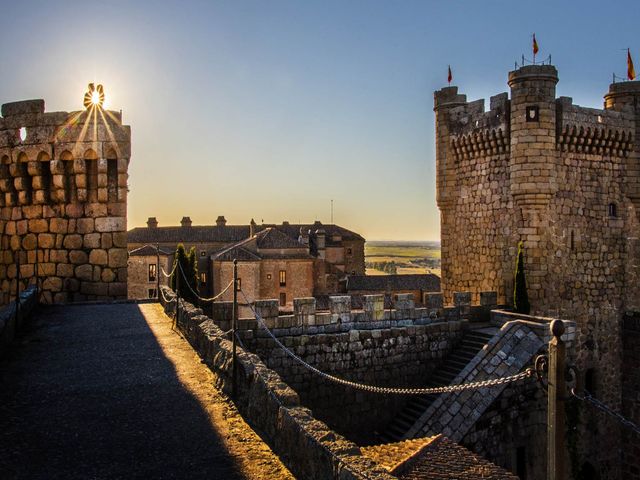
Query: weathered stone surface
x=84, y=225
x=78, y=257
x=58, y=225
x=73, y=241
x=84, y=272
x=99, y=257
x=117, y=257
x=111, y=224
x=91, y=240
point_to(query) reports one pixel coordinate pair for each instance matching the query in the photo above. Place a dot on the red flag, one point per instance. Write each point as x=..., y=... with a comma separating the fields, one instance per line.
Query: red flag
x=450, y=76
x=535, y=44
x=631, y=73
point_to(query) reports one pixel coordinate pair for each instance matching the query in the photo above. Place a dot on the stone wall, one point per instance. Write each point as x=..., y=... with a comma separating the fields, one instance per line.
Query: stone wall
x=397, y=347
x=63, y=201
x=631, y=394
x=564, y=180
x=306, y=445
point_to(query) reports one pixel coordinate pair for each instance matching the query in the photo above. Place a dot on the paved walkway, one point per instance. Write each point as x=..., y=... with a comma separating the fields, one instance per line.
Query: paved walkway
x=109, y=391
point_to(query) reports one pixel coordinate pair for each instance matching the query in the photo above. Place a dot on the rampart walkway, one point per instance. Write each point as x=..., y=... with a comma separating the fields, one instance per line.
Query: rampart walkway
x=109, y=391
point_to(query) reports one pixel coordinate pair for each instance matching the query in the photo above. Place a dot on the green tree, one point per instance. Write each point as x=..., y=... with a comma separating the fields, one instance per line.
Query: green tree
x=520, y=296
x=189, y=266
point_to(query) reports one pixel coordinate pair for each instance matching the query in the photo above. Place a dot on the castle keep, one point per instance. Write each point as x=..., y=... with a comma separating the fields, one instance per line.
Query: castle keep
x=565, y=180
x=63, y=201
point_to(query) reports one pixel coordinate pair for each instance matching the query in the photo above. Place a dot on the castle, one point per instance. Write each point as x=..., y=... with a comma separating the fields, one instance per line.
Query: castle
x=63, y=201
x=565, y=180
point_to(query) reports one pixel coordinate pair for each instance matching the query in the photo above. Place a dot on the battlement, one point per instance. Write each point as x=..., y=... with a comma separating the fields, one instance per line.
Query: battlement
x=342, y=317
x=63, y=194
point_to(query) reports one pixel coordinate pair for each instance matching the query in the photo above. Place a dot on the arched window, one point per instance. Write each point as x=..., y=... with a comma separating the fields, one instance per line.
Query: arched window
x=25, y=180
x=112, y=175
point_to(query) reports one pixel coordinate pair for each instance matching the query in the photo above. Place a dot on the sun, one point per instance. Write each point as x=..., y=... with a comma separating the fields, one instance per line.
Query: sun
x=94, y=97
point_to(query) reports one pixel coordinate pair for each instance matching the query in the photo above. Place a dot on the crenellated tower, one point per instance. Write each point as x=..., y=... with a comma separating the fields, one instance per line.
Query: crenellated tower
x=565, y=180
x=63, y=201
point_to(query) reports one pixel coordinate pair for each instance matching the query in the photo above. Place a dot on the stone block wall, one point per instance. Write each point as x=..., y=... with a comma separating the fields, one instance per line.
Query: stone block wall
x=631, y=394
x=398, y=347
x=63, y=201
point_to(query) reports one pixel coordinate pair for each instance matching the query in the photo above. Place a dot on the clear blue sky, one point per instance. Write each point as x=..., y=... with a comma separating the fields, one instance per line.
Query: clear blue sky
x=270, y=109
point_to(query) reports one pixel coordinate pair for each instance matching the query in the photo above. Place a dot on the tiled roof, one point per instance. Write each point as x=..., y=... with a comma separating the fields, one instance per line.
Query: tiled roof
x=196, y=234
x=147, y=251
x=272, y=238
x=267, y=244
x=436, y=458
x=381, y=283
x=228, y=233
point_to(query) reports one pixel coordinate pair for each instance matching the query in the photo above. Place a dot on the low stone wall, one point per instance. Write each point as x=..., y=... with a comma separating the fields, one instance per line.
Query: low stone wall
x=308, y=447
x=375, y=346
x=9, y=324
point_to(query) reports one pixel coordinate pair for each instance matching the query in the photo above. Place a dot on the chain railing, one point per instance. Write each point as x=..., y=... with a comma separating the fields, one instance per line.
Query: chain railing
x=587, y=397
x=529, y=372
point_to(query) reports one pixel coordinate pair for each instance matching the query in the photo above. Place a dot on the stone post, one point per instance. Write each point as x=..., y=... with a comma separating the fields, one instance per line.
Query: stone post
x=434, y=303
x=404, y=305
x=340, y=307
x=304, y=311
x=556, y=430
x=462, y=300
x=373, y=306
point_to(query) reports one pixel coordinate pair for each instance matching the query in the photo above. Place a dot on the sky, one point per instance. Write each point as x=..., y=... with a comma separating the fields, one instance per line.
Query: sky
x=272, y=109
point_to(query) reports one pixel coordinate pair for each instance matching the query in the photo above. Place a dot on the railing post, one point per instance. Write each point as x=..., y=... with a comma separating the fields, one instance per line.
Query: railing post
x=555, y=406
x=158, y=271
x=234, y=322
x=178, y=271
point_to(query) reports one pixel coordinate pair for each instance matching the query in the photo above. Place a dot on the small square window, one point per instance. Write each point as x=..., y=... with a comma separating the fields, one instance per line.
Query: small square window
x=203, y=253
x=349, y=251
x=268, y=276
x=533, y=113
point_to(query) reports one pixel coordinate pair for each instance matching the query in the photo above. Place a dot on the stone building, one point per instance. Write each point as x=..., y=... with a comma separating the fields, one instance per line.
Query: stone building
x=565, y=180
x=336, y=250
x=270, y=265
x=63, y=201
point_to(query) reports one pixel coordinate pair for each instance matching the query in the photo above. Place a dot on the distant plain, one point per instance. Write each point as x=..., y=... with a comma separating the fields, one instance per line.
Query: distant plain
x=388, y=257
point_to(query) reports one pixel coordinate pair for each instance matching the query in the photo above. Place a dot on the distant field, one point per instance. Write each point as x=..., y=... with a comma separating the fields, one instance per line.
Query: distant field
x=384, y=258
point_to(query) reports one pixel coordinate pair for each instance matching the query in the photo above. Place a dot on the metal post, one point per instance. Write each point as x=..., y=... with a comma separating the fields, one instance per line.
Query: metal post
x=556, y=398
x=234, y=321
x=158, y=271
x=17, y=288
x=177, y=273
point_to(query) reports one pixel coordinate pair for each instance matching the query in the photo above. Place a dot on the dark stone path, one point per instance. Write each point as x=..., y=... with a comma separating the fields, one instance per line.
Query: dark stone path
x=90, y=394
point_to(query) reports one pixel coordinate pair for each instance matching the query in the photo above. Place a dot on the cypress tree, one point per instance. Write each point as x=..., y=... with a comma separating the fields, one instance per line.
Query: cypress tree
x=520, y=296
x=190, y=268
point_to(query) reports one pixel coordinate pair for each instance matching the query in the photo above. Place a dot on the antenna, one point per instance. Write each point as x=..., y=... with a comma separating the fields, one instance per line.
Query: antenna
x=332, y=211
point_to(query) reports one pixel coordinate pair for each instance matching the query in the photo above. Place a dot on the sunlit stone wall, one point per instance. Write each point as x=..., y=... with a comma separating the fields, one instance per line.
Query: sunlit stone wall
x=63, y=202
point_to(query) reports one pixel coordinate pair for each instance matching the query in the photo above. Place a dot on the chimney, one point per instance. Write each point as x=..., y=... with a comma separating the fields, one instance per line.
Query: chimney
x=252, y=228
x=185, y=222
x=320, y=243
x=285, y=223
x=221, y=221
x=152, y=222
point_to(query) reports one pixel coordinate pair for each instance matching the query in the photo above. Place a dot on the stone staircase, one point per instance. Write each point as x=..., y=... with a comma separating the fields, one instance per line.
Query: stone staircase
x=472, y=342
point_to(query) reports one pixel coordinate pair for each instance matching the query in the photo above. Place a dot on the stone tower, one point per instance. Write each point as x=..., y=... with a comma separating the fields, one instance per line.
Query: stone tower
x=565, y=180
x=63, y=201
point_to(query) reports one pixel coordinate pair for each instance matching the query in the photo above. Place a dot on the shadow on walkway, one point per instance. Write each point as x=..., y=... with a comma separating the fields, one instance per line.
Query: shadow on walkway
x=90, y=394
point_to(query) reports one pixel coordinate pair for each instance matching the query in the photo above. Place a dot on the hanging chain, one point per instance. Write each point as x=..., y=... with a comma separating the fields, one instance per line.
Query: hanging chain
x=587, y=397
x=529, y=372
